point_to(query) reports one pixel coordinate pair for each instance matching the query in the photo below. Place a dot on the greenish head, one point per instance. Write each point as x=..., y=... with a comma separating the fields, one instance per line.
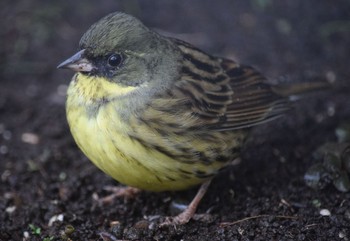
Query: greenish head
x=121, y=49
x=118, y=32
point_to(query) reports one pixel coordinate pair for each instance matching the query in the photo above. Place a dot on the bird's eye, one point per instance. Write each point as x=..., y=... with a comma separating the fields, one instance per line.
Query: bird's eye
x=115, y=60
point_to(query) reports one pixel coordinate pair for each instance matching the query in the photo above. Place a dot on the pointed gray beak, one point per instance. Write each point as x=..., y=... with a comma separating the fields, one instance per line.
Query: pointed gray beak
x=77, y=63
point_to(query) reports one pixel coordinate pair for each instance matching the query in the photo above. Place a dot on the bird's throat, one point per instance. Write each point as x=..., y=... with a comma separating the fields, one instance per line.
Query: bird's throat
x=96, y=88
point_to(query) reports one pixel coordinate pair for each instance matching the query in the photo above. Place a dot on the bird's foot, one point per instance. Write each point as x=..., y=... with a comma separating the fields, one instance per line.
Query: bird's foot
x=125, y=192
x=190, y=211
x=180, y=219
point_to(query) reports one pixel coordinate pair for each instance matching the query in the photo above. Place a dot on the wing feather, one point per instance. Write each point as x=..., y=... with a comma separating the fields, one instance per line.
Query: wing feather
x=223, y=94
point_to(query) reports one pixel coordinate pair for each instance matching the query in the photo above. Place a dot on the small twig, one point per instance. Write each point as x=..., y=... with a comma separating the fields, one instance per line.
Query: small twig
x=109, y=237
x=255, y=217
x=310, y=226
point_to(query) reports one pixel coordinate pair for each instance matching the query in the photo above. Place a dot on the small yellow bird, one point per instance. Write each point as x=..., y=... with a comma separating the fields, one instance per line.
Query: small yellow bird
x=158, y=114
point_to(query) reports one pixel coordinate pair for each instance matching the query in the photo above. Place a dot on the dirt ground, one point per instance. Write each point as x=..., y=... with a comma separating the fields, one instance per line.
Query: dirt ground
x=47, y=186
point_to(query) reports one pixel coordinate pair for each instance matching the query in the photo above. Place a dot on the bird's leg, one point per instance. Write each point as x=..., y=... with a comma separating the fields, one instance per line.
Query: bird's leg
x=120, y=191
x=188, y=213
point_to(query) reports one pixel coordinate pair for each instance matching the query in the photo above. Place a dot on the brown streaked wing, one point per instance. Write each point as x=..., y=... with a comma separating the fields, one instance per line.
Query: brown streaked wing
x=224, y=94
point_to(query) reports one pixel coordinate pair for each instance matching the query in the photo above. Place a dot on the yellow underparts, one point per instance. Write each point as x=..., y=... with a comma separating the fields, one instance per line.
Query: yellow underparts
x=95, y=88
x=104, y=137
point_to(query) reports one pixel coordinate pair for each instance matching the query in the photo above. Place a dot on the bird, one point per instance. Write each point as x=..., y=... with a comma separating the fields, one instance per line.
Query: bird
x=157, y=113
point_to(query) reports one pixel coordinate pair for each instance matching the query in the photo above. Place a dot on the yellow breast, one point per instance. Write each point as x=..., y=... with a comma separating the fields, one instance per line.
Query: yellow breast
x=106, y=138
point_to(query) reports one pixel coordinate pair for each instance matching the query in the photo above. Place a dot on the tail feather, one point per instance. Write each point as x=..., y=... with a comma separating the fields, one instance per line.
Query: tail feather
x=294, y=89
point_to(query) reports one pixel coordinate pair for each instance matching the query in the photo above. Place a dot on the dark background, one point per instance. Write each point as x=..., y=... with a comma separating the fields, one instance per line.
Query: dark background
x=44, y=175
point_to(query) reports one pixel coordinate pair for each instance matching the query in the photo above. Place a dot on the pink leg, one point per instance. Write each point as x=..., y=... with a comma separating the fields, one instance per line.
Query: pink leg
x=188, y=213
x=126, y=192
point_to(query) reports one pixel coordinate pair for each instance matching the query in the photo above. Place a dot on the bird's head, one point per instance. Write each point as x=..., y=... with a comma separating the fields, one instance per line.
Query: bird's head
x=121, y=50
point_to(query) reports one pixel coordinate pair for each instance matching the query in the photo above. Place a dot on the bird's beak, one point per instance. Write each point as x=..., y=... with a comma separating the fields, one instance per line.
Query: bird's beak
x=77, y=63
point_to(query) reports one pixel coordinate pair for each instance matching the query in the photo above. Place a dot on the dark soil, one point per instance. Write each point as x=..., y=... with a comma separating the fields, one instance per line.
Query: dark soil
x=47, y=186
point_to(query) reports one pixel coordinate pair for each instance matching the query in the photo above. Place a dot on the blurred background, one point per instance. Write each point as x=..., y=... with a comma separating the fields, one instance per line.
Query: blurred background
x=291, y=40
x=281, y=38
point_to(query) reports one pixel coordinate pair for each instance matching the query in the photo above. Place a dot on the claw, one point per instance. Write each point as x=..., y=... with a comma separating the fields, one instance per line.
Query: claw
x=188, y=213
x=126, y=192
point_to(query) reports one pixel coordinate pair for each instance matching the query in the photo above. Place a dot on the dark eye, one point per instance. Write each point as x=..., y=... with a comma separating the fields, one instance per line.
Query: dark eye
x=115, y=60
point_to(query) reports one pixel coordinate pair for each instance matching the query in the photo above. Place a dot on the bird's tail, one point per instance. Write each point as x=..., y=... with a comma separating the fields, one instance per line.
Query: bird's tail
x=296, y=89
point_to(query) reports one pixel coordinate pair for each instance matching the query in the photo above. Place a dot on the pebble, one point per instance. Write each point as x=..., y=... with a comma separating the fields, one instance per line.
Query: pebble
x=325, y=212
x=30, y=138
